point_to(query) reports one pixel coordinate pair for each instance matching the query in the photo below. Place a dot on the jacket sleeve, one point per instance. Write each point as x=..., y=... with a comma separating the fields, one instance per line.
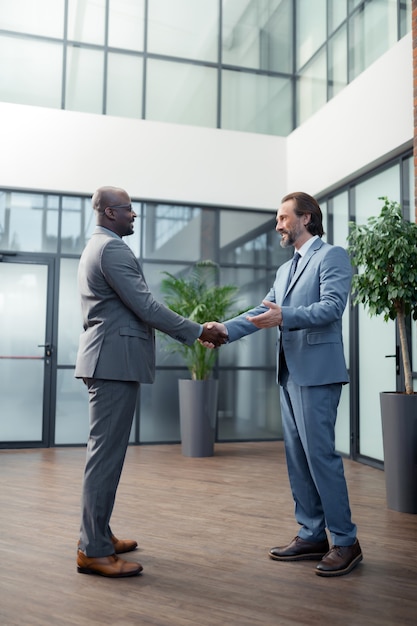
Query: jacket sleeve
x=239, y=326
x=334, y=275
x=124, y=275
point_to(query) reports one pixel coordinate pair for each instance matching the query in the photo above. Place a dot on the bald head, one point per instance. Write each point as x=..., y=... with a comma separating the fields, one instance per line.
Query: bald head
x=114, y=210
x=108, y=196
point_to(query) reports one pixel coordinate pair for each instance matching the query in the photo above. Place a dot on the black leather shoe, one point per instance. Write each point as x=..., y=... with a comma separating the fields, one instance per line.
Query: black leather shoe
x=340, y=560
x=300, y=550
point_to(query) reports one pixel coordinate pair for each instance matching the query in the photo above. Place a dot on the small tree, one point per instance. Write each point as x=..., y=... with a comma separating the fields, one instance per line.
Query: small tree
x=198, y=297
x=385, y=253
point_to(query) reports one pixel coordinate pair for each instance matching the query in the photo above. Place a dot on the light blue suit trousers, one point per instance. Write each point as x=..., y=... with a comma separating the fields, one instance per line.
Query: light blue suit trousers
x=308, y=420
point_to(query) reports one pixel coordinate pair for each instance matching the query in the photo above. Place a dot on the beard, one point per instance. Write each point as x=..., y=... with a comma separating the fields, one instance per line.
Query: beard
x=287, y=239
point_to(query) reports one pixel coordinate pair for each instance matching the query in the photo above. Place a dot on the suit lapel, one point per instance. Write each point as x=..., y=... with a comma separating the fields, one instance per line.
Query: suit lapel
x=304, y=261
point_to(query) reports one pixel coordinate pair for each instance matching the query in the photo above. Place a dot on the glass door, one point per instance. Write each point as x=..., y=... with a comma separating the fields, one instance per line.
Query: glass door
x=26, y=352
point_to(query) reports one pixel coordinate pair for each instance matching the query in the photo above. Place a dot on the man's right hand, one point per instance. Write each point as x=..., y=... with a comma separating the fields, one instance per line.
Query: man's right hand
x=214, y=335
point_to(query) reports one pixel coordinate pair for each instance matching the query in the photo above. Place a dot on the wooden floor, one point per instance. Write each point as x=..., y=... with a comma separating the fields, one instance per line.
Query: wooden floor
x=204, y=528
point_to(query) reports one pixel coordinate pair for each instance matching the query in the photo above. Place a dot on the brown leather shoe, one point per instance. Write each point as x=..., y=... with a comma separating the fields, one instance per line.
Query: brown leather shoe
x=123, y=545
x=111, y=566
x=340, y=560
x=300, y=550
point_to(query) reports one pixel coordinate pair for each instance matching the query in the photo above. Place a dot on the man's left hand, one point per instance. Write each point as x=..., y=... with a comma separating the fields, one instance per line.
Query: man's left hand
x=270, y=318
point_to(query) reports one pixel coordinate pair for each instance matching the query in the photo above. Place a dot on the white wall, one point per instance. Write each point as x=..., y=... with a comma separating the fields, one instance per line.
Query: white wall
x=371, y=119
x=64, y=151
x=53, y=150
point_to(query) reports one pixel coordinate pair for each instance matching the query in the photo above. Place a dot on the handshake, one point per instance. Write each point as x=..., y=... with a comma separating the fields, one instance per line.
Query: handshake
x=214, y=335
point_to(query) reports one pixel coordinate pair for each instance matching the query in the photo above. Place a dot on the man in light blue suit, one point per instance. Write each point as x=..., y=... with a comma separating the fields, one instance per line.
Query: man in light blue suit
x=306, y=304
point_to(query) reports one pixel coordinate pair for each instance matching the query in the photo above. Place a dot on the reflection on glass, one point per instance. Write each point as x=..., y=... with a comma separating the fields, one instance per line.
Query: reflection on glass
x=84, y=80
x=310, y=28
x=70, y=323
x=181, y=93
x=21, y=389
x=312, y=88
x=340, y=219
x=373, y=31
x=72, y=422
x=353, y=4
x=28, y=222
x=184, y=28
x=338, y=73
x=26, y=16
x=258, y=34
x=249, y=406
x=126, y=24
x=386, y=183
x=124, y=85
x=244, y=236
x=177, y=232
x=154, y=275
x=254, y=251
x=337, y=13
x=380, y=335
x=77, y=224
x=23, y=290
x=159, y=408
x=405, y=18
x=256, y=103
x=258, y=349
x=30, y=72
x=86, y=20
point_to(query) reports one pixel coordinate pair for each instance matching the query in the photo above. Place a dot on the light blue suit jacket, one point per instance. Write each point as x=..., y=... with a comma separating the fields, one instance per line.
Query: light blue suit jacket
x=312, y=309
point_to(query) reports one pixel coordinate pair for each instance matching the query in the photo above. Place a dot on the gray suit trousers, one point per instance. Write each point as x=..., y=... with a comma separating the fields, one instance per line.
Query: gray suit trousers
x=112, y=406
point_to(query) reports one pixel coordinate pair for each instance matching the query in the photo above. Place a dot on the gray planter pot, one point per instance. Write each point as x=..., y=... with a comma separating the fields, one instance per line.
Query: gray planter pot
x=399, y=432
x=198, y=411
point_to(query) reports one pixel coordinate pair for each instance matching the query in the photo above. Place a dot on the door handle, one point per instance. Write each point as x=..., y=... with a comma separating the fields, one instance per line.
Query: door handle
x=395, y=356
x=48, y=348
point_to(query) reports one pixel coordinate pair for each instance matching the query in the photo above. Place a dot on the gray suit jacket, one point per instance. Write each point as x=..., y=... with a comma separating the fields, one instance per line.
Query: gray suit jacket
x=120, y=314
x=312, y=309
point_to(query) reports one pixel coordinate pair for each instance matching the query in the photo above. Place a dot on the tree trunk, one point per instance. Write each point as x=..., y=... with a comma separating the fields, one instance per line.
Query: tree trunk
x=408, y=378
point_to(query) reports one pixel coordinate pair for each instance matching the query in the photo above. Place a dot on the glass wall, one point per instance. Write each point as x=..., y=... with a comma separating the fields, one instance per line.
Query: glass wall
x=371, y=349
x=23, y=290
x=376, y=372
x=338, y=225
x=171, y=237
x=260, y=66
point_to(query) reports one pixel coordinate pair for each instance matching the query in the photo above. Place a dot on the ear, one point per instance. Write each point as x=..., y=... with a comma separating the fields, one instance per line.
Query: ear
x=109, y=213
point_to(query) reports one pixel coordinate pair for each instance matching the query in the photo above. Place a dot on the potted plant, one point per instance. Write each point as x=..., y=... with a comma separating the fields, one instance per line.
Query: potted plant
x=197, y=296
x=385, y=252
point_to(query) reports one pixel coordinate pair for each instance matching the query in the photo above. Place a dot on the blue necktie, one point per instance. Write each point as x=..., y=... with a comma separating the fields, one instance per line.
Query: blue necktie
x=295, y=259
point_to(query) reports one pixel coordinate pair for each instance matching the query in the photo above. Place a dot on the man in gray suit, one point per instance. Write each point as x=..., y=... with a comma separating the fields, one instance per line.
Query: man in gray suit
x=306, y=304
x=116, y=353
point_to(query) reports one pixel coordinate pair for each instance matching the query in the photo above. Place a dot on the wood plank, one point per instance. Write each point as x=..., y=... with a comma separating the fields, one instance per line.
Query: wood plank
x=204, y=528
